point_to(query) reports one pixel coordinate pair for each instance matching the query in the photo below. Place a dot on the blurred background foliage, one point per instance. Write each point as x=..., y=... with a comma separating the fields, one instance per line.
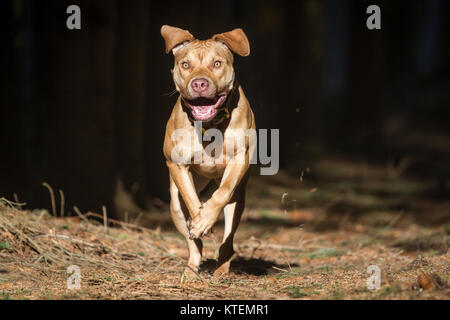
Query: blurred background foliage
x=83, y=110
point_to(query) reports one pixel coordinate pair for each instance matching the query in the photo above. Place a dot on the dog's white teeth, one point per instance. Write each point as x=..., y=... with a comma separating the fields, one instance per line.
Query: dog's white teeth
x=203, y=113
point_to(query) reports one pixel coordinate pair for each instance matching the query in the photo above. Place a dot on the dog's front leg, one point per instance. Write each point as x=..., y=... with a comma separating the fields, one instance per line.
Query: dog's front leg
x=185, y=185
x=210, y=211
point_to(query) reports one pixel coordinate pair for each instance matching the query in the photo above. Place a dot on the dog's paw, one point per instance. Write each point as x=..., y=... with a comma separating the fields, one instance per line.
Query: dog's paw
x=191, y=228
x=200, y=229
x=189, y=274
x=222, y=271
x=202, y=223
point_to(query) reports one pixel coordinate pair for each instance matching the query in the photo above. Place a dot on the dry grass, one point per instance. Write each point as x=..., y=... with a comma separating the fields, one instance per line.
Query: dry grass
x=307, y=246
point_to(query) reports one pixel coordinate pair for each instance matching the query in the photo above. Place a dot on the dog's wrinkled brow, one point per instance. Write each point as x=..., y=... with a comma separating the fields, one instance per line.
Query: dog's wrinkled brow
x=202, y=49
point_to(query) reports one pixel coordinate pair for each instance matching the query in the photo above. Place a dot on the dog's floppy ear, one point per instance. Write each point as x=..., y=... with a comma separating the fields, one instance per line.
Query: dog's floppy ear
x=235, y=40
x=174, y=36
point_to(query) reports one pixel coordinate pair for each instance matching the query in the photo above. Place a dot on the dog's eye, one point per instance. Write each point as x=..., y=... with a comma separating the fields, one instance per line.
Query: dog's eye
x=217, y=64
x=185, y=65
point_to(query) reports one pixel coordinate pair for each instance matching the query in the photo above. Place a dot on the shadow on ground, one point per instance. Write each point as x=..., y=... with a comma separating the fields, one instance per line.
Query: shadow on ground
x=251, y=266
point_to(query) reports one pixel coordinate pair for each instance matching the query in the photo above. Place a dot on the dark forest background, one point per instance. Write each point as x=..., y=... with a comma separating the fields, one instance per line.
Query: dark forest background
x=83, y=109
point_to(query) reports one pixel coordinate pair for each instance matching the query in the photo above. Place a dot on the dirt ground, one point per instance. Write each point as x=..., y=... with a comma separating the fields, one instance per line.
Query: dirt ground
x=307, y=237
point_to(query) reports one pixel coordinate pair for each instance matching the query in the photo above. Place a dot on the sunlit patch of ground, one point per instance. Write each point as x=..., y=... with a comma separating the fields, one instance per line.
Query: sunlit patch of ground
x=307, y=237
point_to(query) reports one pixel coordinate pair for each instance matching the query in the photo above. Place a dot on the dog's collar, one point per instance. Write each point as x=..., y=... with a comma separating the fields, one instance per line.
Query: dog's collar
x=224, y=113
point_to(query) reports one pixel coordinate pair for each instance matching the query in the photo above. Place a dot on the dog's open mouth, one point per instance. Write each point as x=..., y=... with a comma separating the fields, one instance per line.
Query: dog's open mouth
x=204, y=109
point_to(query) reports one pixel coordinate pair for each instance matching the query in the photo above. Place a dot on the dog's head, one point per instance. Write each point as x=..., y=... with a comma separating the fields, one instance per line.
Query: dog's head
x=203, y=71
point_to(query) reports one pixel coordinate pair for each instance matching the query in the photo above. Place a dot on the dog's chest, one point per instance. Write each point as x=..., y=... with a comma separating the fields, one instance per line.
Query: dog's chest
x=210, y=169
x=212, y=156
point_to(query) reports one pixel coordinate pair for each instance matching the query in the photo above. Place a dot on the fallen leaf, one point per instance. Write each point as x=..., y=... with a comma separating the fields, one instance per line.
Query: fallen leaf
x=425, y=282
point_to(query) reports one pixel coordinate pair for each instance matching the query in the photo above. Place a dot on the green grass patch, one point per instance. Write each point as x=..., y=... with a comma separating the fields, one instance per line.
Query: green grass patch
x=123, y=236
x=5, y=296
x=312, y=285
x=389, y=291
x=325, y=253
x=337, y=293
x=5, y=245
x=325, y=269
x=446, y=279
x=295, y=292
x=292, y=273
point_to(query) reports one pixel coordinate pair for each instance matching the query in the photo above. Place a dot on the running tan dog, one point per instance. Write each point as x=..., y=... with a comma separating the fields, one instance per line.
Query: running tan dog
x=210, y=95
